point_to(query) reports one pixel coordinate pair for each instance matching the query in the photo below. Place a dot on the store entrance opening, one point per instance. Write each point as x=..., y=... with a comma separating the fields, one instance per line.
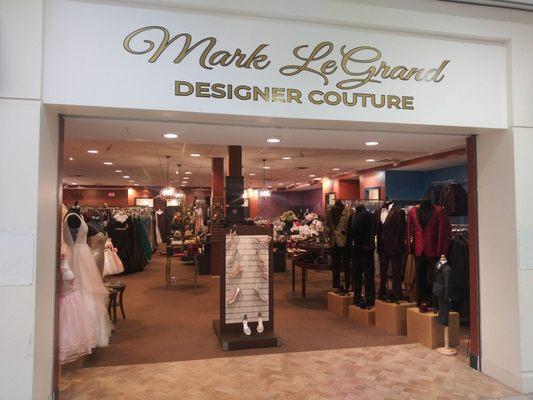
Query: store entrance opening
x=148, y=194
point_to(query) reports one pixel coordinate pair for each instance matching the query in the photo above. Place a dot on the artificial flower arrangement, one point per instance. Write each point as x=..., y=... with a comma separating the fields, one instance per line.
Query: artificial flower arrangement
x=288, y=216
x=312, y=216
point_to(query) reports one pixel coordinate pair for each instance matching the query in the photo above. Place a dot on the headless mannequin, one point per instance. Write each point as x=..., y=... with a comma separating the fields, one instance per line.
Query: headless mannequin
x=391, y=244
x=73, y=220
x=339, y=250
x=361, y=240
x=424, y=265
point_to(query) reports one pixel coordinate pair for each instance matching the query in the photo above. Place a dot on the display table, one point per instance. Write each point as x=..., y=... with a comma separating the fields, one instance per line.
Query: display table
x=364, y=317
x=338, y=304
x=425, y=329
x=392, y=317
x=315, y=257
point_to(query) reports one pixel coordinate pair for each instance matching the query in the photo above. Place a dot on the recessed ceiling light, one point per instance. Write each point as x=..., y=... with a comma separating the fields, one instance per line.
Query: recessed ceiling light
x=118, y=170
x=71, y=158
x=270, y=187
x=280, y=183
x=108, y=163
x=73, y=183
x=312, y=176
x=286, y=158
x=336, y=169
x=371, y=143
x=135, y=184
x=131, y=180
x=188, y=172
x=266, y=167
x=185, y=177
x=170, y=135
x=126, y=176
x=370, y=160
x=183, y=185
x=273, y=140
x=92, y=151
x=251, y=174
x=195, y=155
x=177, y=172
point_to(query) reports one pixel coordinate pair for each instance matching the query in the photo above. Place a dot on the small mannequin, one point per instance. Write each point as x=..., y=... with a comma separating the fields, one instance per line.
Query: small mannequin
x=442, y=289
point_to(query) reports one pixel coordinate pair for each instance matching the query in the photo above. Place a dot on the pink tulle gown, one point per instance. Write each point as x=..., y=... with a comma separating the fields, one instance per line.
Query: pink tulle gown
x=76, y=329
x=90, y=284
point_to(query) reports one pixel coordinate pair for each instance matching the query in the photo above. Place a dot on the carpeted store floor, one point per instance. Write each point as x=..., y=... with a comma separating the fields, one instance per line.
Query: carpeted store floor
x=174, y=324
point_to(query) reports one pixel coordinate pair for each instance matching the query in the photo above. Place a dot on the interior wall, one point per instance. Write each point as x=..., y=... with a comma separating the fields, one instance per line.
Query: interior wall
x=280, y=201
x=523, y=143
x=28, y=160
x=96, y=197
x=498, y=264
x=371, y=180
x=413, y=185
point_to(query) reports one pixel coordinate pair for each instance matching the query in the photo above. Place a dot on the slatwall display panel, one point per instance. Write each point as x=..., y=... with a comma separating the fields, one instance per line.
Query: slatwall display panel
x=248, y=253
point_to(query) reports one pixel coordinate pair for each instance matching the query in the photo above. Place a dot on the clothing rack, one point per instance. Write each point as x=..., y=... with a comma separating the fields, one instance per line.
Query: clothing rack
x=450, y=181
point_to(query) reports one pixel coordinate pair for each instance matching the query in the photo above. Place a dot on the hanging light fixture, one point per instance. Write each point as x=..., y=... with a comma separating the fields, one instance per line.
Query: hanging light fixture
x=264, y=192
x=179, y=193
x=168, y=192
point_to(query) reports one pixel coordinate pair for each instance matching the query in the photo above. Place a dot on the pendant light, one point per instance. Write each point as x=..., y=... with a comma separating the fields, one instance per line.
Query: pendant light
x=264, y=192
x=168, y=192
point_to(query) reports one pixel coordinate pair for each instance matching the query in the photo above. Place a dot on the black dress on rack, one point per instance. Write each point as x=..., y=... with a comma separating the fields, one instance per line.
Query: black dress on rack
x=139, y=257
x=120, y=233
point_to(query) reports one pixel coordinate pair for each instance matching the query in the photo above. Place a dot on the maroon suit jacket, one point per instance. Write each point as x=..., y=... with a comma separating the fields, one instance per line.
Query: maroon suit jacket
x=391, y=234
x=435, y=239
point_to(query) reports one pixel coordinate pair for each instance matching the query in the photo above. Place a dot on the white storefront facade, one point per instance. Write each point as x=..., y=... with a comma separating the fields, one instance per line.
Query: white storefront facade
x=412, y=66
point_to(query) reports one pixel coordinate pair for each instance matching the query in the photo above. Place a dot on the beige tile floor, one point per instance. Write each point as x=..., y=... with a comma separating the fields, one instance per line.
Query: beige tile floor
x=397, y=372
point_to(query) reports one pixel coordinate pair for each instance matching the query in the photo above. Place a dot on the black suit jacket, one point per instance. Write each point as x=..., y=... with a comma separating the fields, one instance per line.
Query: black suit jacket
x=391, y=234
x=361, y=232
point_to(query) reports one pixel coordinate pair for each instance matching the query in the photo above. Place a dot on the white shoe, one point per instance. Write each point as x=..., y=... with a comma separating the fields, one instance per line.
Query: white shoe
x=245, y=328
x=236, y=294
x=261, y=297
x=260, y=327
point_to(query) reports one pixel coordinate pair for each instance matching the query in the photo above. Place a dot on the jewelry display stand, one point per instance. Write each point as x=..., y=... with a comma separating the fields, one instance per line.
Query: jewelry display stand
x=247, y=290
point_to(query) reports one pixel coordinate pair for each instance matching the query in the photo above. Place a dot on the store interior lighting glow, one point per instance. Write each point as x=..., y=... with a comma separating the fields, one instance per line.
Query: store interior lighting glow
x=170, y=135
x=92, y=151
x=371, y=143
x=273, y=140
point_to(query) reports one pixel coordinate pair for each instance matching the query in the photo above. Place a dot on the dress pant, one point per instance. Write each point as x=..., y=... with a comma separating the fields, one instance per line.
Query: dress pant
x=396, y=263
x=336, y=254
x=363, y=269
x=425, y=267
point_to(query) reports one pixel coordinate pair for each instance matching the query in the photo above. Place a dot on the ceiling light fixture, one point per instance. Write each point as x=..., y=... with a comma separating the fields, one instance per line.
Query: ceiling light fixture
x=286, y=158
x=336, y=169
x=370, y=160
x=264, y=192
x=371, y=143
x=131, y=180
x=251, y=174
x=195, y=155
x=73, y=183
x=170, y=135
x=273, y=140
x=118, y=170
x=135, y=184
x=71, y=159
x=185, y=177
x=170, y=192
x=188, y=172
x=108, y=163
x=126, y=176
x=312, y=176
x=92, y=151
x=266, y=167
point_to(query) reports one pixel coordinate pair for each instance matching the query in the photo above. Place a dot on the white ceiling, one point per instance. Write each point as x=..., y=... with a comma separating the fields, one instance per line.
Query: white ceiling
x=138, y=148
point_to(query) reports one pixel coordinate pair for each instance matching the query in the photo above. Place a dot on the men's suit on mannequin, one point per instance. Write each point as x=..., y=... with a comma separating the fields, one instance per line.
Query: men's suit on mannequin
x=390, y=232
x=337, y=219
x=361, y=239
x=429, y=235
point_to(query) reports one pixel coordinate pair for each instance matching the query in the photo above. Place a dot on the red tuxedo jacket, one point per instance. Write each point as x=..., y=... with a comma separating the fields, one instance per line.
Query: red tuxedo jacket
x=435, y=239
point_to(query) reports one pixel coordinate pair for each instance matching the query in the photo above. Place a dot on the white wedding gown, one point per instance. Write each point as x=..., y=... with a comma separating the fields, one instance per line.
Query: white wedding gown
x=90, y=284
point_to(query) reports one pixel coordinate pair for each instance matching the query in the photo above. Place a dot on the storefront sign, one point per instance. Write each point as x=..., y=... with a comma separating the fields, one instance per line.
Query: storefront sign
x=237, y=65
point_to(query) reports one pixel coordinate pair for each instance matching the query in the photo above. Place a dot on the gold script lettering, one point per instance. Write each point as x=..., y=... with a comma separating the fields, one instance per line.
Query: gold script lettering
x=320, y=51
